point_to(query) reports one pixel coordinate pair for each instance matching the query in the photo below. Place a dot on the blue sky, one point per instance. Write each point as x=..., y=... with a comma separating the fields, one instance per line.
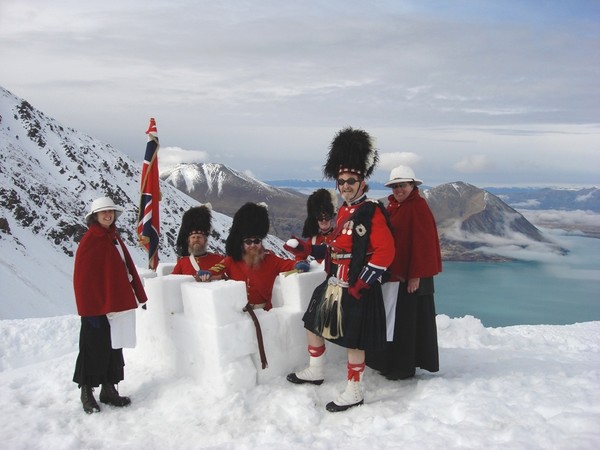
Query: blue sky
x=488, y=92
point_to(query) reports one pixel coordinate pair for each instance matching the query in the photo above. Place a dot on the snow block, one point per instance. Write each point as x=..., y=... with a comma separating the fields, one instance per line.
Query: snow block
x=200, y=330
x=145, y=273
x=297, y=289
x=156, y=336
x=275, y=350
x=228, y=342
x=164, y=269
x=216, y=303
x=164, y=293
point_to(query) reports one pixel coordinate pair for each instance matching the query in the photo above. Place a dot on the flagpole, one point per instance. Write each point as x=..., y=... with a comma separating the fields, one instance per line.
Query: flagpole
x=148, y=227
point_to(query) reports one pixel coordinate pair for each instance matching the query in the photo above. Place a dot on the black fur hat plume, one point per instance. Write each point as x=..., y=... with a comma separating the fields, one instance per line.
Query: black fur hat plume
x=351, y=151
x=198, y=219
x=319, y=203
x=251, y=220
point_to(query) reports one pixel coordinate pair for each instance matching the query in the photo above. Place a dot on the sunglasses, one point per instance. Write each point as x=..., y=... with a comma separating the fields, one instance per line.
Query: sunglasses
x=350, y=181
x=324, y=218
x=254, y=241
x=399, y=185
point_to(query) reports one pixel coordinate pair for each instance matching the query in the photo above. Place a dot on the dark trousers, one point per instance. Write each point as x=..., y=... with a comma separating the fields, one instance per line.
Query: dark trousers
x=97, y=363
x=415, y=335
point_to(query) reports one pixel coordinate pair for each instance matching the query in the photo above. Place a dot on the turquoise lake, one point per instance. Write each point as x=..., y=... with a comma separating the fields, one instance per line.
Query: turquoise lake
x=563, y=291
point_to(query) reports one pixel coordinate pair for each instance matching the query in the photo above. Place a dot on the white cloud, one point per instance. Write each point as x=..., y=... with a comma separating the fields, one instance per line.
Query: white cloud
x=564, y=218
x=474, y=163
x=171, y=156
x=388, y=161
x=437, y=81
x=531, y=203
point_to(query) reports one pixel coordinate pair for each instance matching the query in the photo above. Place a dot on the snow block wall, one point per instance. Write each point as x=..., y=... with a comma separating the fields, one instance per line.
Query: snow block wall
x=200, y=330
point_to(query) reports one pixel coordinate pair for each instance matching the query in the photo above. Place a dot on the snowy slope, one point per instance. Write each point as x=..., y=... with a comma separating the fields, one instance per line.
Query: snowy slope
x=522, y=388
x=49, y=175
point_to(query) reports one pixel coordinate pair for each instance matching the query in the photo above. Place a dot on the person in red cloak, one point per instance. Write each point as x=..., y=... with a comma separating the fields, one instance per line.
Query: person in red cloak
x=418, y=259
x=105, y=282
x=192, y=241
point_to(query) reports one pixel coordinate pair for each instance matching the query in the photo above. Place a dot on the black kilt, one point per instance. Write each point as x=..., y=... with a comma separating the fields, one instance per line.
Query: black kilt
x=97, y=363
x=415, y=335
x=363, y=321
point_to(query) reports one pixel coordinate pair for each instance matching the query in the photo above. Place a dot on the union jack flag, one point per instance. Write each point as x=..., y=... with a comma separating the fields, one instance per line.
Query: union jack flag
x=148, y=227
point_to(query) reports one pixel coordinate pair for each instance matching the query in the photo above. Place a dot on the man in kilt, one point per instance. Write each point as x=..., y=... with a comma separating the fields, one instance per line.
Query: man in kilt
x=347, y=308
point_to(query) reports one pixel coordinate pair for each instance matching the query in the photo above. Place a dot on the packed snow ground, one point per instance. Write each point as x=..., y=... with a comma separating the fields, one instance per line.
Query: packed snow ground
x=520, y=387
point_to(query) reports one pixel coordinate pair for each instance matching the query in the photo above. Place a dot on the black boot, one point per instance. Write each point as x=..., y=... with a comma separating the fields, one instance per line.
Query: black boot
x=88, y=401
x=109, y=395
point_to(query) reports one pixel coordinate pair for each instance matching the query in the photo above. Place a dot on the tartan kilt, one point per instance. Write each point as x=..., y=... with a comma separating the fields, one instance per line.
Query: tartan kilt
x=362, y=321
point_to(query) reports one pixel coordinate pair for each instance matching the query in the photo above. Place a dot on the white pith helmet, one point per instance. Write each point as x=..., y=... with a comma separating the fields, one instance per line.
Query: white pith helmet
x=103, y=204
x=402, y=174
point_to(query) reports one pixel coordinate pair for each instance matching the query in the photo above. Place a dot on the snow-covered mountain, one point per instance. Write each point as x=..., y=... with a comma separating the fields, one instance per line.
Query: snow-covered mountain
x=49, y=175
x=226, y=189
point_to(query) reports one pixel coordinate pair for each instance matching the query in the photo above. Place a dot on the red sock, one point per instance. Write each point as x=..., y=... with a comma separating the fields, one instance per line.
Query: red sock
x=316, y=351
x=354, y=371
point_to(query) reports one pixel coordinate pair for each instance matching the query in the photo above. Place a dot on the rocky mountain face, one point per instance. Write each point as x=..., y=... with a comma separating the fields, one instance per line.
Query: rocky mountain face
x=227, y=189
x=49, y=175
x=470, y=218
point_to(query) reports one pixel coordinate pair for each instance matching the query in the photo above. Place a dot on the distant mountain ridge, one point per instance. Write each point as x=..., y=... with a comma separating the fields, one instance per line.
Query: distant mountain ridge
x=471, y=221
x=550, y=198
x=227, y=189
x=517, y=197
x=316, y=184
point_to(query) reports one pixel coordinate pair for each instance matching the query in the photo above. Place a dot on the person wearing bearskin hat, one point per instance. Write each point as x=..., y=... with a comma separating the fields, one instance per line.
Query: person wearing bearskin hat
x=321, y=206
x=247, y=260
x=347, y=308
x=192, y=241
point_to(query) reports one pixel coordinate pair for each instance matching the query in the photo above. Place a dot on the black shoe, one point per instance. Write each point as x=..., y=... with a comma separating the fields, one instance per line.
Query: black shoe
x=292, y=378
x=332, y=407
x=110, y=396
x=88, y=401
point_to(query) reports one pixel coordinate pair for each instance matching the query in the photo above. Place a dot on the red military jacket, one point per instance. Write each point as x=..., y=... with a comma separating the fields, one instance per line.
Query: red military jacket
x=184, y=265
x=259, y=281
x=380, y=251
x=416, y=238
x=101, y=277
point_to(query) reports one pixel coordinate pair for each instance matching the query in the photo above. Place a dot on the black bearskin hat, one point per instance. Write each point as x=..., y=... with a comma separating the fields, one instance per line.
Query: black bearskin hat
x=251, y=220
x=319, y=203
x=195, y=219
x=351, y=151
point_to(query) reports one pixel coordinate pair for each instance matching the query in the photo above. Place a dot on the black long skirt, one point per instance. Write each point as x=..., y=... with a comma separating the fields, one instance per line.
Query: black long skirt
x=415, y=335
x=362, y=321
x=97, y=363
